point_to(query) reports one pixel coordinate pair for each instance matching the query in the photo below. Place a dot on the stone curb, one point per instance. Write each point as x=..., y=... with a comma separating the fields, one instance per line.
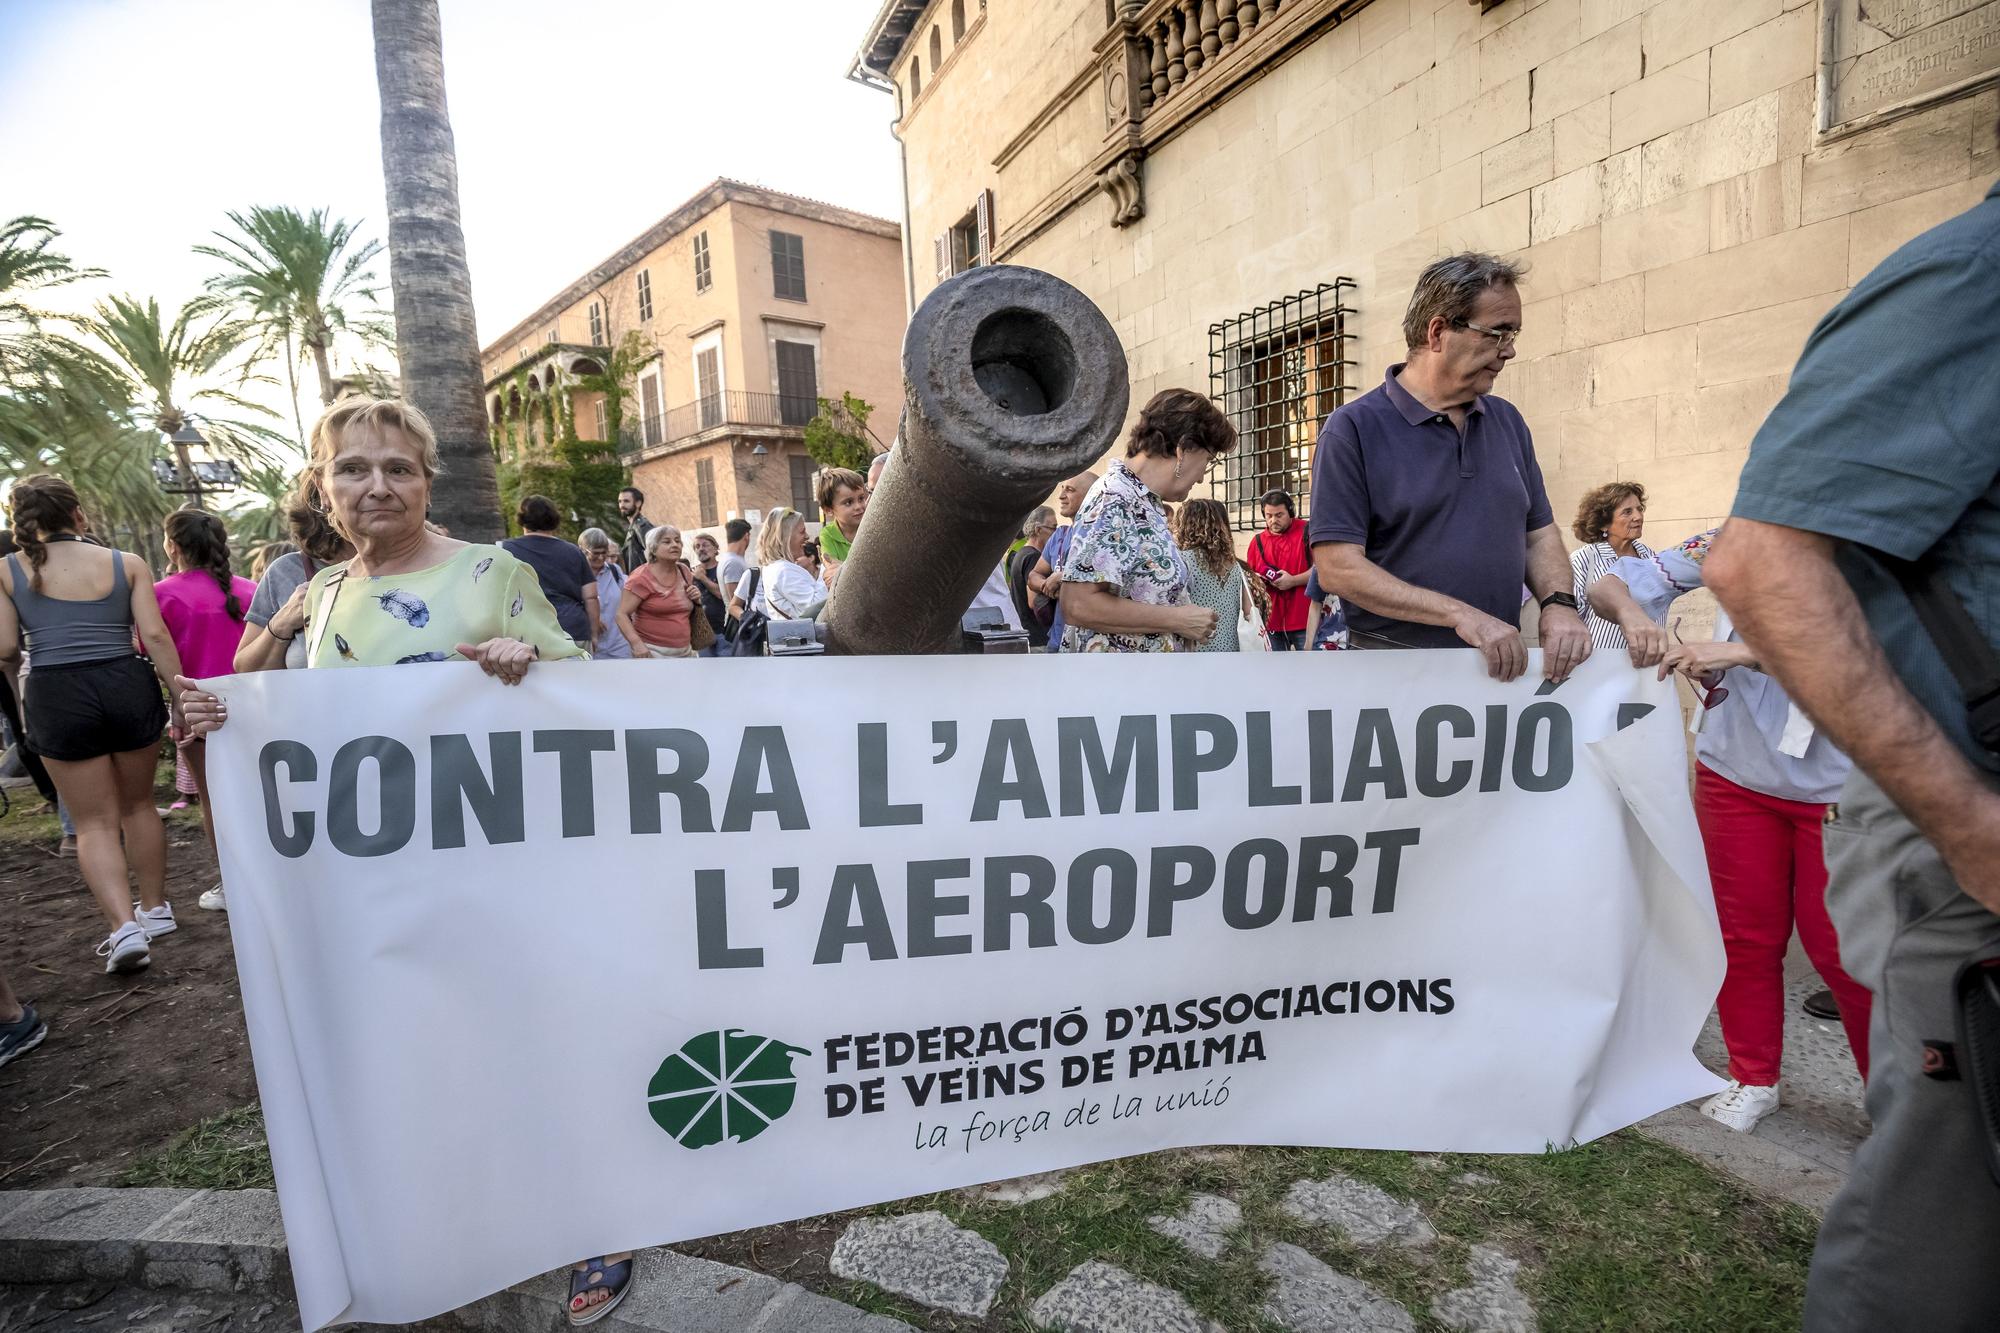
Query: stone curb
x=1768, y=1168
x=234, y=1241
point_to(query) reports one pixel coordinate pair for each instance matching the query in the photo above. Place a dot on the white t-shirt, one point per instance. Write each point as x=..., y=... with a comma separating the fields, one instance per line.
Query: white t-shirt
x=793, y=593
x=995, y=595
x=729, y=571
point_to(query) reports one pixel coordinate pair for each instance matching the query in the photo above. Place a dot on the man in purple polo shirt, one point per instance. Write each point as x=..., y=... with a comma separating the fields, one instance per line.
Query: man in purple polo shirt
x=1428, y=510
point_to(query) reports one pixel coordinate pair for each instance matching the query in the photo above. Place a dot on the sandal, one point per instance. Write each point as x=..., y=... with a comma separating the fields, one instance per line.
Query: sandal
x=597, y=1275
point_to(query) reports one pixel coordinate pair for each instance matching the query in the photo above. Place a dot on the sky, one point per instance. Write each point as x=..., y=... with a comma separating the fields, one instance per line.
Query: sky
x=135, y=125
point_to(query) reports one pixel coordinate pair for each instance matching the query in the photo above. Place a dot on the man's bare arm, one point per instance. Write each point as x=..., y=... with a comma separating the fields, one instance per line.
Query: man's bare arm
x=1793, y=607
x=1565, y=639
x=1548, y=563
x=1346, y=572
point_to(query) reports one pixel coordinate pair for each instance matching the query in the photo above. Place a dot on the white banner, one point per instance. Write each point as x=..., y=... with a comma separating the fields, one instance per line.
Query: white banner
x=637, y=952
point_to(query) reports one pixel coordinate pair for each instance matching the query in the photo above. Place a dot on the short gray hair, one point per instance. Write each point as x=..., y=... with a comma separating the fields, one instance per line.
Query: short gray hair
x=593, y=539
x=1451, y=287
x=1042, y=517
x=659, y=534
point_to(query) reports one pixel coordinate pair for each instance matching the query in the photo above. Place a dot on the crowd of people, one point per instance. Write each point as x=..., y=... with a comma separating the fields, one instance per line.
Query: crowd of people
x=1430, y=527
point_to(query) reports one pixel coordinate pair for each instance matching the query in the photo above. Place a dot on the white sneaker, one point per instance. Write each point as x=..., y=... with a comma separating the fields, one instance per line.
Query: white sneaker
x=124, y=950
x=155, y=921
x=1741, y=1105
x=212, y=901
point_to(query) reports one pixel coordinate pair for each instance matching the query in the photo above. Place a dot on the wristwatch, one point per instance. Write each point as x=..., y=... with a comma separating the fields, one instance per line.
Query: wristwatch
x=1560, y=599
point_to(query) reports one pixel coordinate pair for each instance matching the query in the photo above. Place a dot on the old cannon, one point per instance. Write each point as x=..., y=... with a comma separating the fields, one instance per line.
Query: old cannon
x=1012, y=381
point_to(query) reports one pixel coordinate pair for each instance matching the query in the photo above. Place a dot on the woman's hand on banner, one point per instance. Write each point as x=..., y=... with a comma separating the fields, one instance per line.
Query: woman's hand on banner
x=506, y=659
x=196, y=711
x=1646, y=641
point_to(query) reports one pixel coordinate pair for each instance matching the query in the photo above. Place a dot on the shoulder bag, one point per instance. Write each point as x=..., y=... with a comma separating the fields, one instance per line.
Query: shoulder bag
x=754, y=627
x=701, y=634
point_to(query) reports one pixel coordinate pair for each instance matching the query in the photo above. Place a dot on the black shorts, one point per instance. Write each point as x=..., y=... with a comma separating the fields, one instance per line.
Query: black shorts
x=81, y=710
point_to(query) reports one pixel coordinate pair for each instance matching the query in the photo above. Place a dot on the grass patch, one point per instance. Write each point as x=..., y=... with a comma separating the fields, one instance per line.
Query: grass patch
x=224, y=1152
x=1623, y=1233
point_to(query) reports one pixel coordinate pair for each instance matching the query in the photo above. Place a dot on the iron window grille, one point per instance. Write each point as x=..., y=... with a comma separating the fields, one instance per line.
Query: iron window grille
x=1279, y=371
x=645, y=293
x=704, y=277
x=788, y=266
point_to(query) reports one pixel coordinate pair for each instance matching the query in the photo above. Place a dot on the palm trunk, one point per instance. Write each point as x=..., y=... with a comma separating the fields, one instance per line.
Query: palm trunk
x=325, y=369
x=436, y=342
x=292, y=381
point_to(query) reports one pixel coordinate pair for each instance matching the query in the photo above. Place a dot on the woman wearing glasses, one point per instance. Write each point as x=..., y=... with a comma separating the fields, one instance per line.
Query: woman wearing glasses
x=1125, y=581
x=1764, y=782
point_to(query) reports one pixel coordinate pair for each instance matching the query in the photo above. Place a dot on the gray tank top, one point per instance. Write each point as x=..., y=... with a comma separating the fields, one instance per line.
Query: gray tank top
x=62, y=632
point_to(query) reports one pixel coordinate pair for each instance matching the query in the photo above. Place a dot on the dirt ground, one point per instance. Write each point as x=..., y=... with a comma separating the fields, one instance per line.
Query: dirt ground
x=129, y=1061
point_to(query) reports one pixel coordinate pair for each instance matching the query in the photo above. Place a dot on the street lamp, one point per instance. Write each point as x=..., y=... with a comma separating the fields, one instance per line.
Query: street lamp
x=189, y=476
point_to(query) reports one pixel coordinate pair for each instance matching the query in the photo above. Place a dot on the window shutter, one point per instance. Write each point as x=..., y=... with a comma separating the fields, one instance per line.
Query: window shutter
x=984, y=211
x=944, y=256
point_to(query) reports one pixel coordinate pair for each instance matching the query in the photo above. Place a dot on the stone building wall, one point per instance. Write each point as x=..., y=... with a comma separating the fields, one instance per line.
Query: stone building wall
x=1654, y=161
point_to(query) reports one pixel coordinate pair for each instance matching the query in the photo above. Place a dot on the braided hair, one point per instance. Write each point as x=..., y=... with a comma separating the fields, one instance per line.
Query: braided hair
x=204, y=544
x=44, y=506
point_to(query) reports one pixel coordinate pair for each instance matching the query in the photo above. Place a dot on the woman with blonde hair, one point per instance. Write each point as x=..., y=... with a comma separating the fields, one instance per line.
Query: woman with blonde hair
x=657, y=607
x=406, y=595
x=94, y=711
x=781, y=587
x=1215, y=575
x=409, y=595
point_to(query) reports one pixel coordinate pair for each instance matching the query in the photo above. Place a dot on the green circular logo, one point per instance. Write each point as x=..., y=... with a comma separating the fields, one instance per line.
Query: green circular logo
x=723, y=1085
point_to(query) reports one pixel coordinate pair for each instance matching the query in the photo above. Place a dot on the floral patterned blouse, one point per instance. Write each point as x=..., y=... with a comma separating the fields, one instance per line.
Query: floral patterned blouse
x=480, y=593
x=1121, y=539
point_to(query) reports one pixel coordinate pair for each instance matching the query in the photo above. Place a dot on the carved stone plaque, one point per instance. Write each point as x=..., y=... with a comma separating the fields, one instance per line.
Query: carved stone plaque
x=1881, y=58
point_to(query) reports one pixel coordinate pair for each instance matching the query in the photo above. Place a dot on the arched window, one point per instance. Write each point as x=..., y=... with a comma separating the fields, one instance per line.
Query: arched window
x=937, y=49
x=957, y=21
x=916, y=78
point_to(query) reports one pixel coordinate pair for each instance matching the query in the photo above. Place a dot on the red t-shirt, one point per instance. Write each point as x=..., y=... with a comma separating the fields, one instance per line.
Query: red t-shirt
x=1289, y=554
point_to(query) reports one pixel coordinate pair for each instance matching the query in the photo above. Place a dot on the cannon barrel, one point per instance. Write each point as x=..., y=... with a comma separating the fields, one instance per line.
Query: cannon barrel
x=1012, y=381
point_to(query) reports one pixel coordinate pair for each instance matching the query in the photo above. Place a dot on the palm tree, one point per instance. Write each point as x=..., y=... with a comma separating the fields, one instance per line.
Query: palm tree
x=436, y=339
x=39, y=365
x=179, y=372
x=302, y=280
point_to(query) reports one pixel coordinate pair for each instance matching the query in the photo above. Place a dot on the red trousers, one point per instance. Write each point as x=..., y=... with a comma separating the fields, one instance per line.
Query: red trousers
x=1769, y=873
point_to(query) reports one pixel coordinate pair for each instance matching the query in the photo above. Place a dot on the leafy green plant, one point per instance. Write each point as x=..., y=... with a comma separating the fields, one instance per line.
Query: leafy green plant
x=838, y=434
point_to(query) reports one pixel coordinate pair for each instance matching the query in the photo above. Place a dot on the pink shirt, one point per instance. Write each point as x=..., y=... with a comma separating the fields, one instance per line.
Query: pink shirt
x=198, y=619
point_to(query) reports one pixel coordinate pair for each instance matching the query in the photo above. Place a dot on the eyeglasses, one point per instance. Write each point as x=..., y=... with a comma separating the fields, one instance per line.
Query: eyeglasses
x=1503, y=337
x=1709, y=683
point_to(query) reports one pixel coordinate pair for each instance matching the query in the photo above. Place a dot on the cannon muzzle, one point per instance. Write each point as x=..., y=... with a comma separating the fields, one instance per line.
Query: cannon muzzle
x=1012, y=381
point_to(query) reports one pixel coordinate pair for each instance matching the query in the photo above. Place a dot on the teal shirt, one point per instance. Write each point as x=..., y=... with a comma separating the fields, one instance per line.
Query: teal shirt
x=1889, y=437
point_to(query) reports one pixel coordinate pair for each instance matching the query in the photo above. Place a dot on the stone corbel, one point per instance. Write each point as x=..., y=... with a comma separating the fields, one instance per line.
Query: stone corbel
x=1125, y=181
